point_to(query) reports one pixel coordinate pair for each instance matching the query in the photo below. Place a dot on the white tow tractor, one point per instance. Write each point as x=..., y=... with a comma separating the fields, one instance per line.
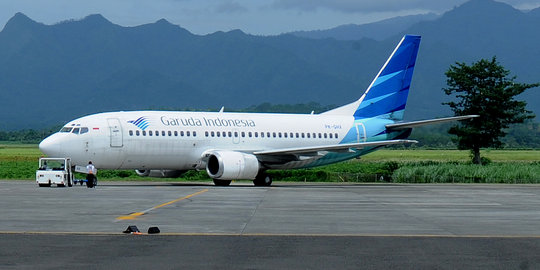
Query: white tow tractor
x=54, y=171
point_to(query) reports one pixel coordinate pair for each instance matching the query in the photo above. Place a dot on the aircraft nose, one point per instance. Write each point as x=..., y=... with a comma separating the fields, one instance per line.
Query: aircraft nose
x=51, y=146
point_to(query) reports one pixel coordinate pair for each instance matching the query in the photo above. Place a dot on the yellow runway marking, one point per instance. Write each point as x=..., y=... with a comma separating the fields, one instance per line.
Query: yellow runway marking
x=138, y=214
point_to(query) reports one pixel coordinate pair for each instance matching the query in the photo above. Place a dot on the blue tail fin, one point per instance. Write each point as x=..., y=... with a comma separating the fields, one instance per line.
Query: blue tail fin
x=386, y=97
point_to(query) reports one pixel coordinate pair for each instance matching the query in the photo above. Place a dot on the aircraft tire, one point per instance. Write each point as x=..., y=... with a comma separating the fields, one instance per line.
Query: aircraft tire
x=263, y=180
x=222, y=183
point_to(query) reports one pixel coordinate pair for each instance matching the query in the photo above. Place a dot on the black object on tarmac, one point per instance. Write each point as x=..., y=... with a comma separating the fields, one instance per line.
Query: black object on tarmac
x=131, y=229
x=153, y=230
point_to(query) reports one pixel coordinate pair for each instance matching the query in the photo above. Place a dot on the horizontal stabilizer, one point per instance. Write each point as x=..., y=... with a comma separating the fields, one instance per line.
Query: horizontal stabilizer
x=413, y=124
x=330, y=148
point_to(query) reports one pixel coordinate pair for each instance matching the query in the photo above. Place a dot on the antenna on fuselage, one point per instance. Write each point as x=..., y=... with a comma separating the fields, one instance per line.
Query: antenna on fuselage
x=222, y=109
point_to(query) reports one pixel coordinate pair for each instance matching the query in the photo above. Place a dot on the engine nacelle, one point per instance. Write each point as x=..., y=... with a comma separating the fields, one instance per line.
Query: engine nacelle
x=231, y=165
x=160, y=173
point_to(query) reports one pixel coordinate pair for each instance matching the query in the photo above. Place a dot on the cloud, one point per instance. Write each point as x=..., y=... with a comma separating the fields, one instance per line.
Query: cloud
x=230, y=7
x=366, y=6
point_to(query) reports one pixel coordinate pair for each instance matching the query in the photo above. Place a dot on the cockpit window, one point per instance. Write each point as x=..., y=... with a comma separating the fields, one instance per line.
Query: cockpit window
x=66, y=129
x=75, y=131
x=84, y=130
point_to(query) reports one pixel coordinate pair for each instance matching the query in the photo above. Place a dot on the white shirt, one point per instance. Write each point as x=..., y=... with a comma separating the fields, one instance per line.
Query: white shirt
x=90, y=169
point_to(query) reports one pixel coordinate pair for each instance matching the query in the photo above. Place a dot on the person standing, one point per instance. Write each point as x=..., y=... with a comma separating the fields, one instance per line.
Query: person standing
x=90, y=175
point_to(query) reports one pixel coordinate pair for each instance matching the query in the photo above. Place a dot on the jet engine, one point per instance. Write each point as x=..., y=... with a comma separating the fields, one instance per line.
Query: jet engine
x=231, y=165
x=160, y=173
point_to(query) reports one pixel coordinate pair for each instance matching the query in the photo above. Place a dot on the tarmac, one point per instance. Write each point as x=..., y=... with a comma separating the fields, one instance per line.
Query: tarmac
x=286, y=226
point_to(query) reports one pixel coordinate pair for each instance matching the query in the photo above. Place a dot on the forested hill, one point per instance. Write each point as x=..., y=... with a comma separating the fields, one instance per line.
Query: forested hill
x=50, y=74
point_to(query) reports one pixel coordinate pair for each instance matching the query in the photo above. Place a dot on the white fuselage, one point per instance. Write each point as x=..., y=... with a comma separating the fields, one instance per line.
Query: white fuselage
x=177, y=140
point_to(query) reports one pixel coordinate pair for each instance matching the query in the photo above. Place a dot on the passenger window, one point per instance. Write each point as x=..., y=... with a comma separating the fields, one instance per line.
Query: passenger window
x=144, y=133
x=249, y=134
x=170, y=133
x=149, y=133
x=292, y=135
x=330, y=135
x=230, y=134
x=206, y=133
x=325, y=135
x=131, y=133
x=274, y=134
x=243, y=134
x=84, y=130
x=297, y=135
x=308, y=135
x=194, y=134
x=336, y=135
x=268, y=134
x=176, y=133
x=157, y=133
x=303, y=134
x=137, y=133
x=235, y=134
x=256, y=134
x=320, y=135
x=212, y=134
x=218, y=134
x=182, y=133
x=163, y=133
x=262, y=134
x=75, y=131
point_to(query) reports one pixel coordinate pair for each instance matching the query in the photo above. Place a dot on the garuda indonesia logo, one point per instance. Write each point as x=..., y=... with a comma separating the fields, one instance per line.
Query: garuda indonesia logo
x=141, y=123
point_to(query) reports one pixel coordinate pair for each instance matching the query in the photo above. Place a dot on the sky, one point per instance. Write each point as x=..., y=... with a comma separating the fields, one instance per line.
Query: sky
x=257, y=17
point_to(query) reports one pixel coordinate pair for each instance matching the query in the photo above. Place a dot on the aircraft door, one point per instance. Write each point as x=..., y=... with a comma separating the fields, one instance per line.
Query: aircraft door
x=115, y=132
x=360, y=132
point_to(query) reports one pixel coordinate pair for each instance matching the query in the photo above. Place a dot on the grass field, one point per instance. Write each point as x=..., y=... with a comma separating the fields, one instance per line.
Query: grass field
x=19, y=161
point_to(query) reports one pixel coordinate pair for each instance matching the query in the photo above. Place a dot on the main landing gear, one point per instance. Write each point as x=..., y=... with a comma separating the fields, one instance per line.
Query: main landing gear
x=262, y=180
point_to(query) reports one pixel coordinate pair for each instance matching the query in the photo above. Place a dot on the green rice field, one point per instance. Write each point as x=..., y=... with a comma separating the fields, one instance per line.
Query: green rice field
x=19, y=161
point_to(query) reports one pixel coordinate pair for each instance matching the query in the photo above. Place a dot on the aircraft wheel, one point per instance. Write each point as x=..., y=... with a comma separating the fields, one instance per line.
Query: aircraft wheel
x=262, y=180
x=60, y=185
x=222, y=183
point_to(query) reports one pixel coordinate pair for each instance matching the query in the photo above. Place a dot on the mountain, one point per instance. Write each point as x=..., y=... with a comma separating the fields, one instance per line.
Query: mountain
x=380, y=30
x=53, y=73
x=477, y=29
x=50, y=74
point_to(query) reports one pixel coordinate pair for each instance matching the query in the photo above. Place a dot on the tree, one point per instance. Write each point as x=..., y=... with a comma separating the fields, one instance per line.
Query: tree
x=484, y=88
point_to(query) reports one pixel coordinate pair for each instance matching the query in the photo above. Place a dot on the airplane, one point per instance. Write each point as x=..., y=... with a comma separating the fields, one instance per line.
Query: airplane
x=232, y=146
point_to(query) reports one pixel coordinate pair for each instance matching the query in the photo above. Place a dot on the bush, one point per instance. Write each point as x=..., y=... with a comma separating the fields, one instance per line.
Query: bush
x=468, y=173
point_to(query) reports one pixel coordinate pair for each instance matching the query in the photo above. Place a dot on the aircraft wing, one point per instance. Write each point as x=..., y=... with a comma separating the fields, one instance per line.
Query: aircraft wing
x=330, y=148
x=413, y=124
